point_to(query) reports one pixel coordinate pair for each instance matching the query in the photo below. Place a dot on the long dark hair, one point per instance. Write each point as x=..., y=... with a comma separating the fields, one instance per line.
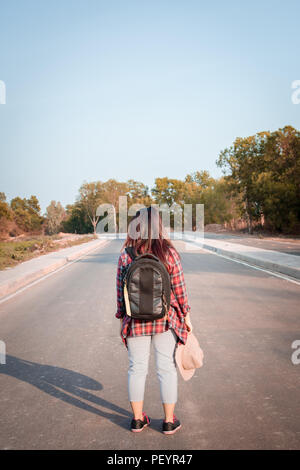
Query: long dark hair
x=149, y=224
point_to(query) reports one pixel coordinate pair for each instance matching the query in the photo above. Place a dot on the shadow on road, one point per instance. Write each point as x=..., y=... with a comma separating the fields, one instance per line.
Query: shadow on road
x=60, y=383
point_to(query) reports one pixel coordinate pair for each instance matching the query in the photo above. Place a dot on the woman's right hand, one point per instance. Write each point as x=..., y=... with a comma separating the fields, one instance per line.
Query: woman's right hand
x=188, y=323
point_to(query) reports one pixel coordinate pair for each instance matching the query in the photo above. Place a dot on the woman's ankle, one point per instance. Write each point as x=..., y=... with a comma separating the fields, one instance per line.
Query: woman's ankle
x=169, y=418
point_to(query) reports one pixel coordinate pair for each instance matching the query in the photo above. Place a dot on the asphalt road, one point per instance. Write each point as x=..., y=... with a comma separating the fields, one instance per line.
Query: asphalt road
x=64, y=385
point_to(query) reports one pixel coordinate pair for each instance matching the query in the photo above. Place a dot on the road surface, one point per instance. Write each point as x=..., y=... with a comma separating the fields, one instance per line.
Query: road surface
x=64, y=385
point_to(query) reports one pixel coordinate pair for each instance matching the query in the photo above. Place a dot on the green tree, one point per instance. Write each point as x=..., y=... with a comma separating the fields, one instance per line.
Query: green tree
x=138, y=193
x=279, y=202
x=243, y=162
x=265, y=170
x=219, y=204
x=26, y=213
x=112, y=190
x=55, y=214
x=278, y=183
x=5, y=210
x=202, y=179
x=76, y=220
x=168, y=191
x=90, y=197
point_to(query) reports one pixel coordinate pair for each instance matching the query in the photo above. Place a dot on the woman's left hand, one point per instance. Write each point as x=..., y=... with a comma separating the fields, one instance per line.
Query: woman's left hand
x=188, y=323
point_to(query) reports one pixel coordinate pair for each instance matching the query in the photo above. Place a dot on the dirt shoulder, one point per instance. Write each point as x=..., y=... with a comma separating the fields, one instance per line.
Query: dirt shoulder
x=23, y=248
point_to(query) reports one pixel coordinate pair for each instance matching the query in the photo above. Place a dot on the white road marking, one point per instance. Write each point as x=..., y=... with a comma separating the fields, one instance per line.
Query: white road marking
x=22, y=289
x=281, y=276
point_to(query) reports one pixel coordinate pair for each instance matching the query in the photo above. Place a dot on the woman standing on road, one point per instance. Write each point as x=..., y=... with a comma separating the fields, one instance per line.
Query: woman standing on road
x=164, y=333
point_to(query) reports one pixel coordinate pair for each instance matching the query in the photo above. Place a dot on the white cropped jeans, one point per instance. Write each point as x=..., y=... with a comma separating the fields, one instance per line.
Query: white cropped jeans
x=139, y=353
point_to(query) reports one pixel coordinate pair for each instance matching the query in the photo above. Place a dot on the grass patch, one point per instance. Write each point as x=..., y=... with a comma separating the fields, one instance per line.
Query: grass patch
x=14, y=252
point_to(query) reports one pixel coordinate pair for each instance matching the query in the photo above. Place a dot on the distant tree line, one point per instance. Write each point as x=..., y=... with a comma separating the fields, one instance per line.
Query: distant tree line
x=260, y=186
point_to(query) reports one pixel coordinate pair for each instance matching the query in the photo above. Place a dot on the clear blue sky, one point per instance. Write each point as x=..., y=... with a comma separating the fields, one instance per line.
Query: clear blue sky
x=137, y=89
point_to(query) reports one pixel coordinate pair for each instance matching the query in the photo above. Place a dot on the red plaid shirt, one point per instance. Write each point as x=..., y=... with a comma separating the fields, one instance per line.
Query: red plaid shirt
x=179, y=306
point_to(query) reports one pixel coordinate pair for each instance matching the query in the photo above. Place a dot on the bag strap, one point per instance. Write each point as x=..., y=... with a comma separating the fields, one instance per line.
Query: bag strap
x=127, y=303
x=131, y=252
x=148, y=255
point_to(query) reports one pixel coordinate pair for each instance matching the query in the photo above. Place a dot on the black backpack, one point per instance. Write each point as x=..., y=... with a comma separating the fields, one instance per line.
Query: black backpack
x=147, y=287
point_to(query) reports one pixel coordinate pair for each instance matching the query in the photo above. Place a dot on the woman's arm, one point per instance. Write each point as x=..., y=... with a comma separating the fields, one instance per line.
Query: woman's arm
x=178, y=284
x=179, y=290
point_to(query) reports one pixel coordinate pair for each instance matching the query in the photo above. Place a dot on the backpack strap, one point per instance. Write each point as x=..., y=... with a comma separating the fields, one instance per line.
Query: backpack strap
x=149, y=255
x=131, y=252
